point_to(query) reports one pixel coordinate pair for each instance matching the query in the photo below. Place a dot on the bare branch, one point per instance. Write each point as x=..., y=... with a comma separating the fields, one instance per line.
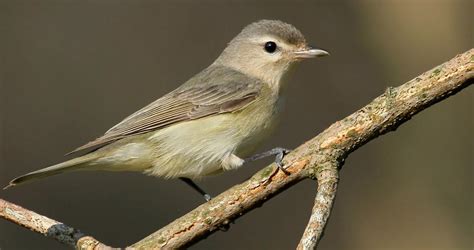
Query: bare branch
x=48, y=227
x=318, y=158
x=312, y=159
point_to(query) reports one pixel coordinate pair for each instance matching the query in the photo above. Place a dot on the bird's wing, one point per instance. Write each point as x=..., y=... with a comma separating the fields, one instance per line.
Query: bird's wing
x=178, y=106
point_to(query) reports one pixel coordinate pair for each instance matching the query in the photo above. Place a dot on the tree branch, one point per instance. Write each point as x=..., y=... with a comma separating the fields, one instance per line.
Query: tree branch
x=314, y=158
x=318, y=158
x=325, y=194
x=48, y=227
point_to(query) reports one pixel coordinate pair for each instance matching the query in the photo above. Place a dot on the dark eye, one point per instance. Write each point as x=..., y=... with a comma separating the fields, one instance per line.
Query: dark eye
x=270, y=47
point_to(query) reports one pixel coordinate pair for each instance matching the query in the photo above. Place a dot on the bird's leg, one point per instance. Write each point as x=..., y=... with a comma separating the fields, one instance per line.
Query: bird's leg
x=196, y=187
x=279, y=153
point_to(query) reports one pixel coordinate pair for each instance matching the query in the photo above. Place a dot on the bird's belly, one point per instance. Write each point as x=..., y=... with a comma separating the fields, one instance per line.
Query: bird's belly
x=205, y=146
x=193, y=149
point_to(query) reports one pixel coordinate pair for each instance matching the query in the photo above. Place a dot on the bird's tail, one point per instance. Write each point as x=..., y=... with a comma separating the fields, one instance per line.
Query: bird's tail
x=71, y=165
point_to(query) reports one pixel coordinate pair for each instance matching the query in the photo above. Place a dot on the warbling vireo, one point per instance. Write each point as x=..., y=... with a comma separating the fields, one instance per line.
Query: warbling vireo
x=208, y=124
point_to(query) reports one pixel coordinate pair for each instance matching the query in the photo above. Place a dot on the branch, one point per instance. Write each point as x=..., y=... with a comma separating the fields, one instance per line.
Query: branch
x=327, y=186
x=319, y=157
x=48, y=227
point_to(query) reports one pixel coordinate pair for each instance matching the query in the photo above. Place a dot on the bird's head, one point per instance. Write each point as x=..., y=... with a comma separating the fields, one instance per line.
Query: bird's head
x=266, y=49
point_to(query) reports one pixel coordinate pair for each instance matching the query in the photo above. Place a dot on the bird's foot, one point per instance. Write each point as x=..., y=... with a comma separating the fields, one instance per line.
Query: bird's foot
x=279, y=154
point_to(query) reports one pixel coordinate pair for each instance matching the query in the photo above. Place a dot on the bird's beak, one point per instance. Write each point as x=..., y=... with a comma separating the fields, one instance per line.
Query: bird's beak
x=310, y=52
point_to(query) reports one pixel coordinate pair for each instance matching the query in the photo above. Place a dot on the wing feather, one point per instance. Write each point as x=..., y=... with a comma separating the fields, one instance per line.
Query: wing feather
x=178, y=106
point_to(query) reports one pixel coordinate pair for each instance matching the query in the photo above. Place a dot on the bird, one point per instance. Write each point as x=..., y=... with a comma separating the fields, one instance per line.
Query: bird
x=212, y=123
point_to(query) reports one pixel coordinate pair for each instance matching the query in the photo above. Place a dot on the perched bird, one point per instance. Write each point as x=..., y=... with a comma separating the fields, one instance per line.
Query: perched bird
x=210, y=123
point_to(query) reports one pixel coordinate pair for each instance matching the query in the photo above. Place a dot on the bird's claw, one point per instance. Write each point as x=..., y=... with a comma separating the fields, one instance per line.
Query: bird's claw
x=207, y=197
x=280, y=153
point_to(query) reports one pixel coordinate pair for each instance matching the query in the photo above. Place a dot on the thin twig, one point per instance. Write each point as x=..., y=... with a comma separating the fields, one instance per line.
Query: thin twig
x=48, y=227
x=325, y=194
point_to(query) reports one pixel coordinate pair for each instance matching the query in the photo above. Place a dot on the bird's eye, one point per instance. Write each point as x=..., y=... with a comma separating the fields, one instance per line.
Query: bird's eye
x=270, y=47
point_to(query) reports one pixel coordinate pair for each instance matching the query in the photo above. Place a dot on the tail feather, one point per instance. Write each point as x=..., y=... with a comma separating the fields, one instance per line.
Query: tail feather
x=71, y=165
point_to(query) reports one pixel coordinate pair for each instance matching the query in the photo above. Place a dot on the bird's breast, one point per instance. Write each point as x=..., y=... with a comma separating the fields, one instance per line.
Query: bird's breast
x=257, y=122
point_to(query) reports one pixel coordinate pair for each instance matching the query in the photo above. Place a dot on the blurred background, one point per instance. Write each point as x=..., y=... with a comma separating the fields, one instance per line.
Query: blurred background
x=72, y=69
